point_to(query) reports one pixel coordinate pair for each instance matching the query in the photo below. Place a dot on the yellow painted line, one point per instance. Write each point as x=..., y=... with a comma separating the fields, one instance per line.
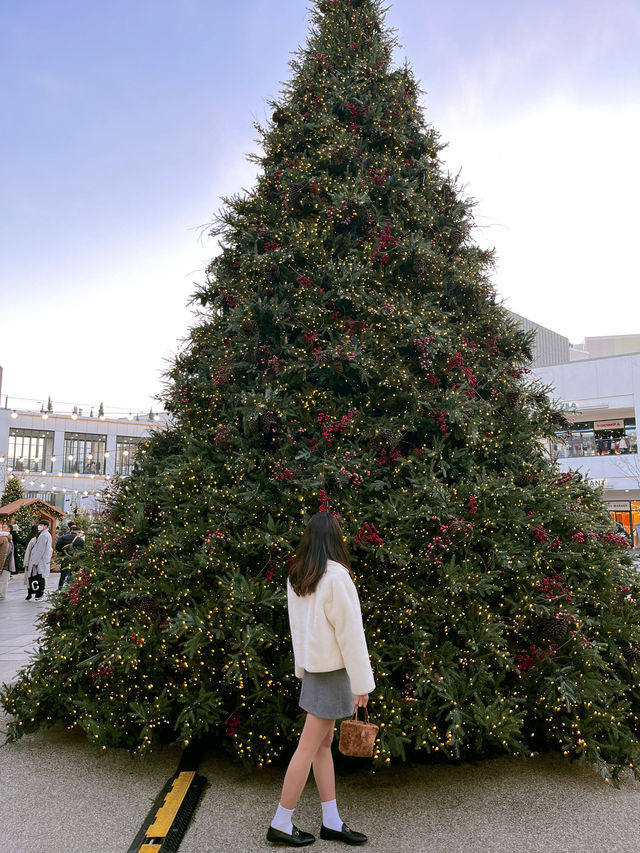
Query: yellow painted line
x=167, y=812
x=150, y=848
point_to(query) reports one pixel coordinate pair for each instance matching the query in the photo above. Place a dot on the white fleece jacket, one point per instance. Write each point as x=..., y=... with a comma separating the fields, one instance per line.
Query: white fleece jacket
x=327, y=631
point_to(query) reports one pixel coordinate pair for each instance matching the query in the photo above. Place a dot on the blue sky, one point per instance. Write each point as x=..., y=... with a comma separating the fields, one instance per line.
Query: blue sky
x=125, y=122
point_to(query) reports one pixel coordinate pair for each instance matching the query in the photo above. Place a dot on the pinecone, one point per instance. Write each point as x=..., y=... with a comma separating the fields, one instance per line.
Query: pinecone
x=128, y=545
x=560, y=420
x=512, y=397
x=266, y=422
x=338, y=155
x=526, y=479
x=455, y=237
x=386, y=438
x=54, y=617
x=631, y=652
x=148, y=603
x=272, y=273
x=279, y=117
x=222, y=434
x=296, y=192
x=151, y=511
x=337, y=366
x=452, y=524
x=419, y=264
x=249, y=327
x=230, y=645
x=557, y=629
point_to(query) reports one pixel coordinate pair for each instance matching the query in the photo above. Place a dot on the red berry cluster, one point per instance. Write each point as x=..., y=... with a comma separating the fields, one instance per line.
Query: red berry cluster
x=540, y=533
x=324, y=501
x=379, y=178
x=564, y=478
x=385, y=241
x=331, y=428
x=282, y=473
x=357, y=114
x=441, y=418
x=369, y=534
x=526, y=659
x=472, y=504
x=74, y=593
x=232, y=724
x=103, y=671
x=387, y=457
x=553, y=588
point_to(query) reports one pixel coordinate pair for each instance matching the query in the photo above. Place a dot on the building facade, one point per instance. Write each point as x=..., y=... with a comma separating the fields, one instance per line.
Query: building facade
x=601, y=397
x=68, y=459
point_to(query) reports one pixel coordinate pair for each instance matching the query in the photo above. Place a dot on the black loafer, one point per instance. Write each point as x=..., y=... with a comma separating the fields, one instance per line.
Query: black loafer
x=347, y=835
x=297, y=839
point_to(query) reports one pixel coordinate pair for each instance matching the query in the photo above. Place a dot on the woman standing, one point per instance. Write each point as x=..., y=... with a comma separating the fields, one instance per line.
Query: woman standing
x=6, y=557
x=331, y=658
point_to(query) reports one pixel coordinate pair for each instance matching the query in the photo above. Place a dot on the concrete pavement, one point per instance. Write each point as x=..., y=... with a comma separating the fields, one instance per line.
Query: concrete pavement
x=61, y=795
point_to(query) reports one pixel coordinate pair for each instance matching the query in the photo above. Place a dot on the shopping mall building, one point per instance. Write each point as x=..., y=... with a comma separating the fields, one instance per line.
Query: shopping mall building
x=67, y=458
x=597, y=383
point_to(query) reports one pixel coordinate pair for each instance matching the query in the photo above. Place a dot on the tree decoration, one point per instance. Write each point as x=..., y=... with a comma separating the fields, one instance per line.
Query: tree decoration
x=351, y=357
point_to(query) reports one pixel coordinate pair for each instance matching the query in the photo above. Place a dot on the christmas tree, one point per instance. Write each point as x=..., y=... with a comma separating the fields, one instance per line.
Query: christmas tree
x=350, y=356
x=23, y=520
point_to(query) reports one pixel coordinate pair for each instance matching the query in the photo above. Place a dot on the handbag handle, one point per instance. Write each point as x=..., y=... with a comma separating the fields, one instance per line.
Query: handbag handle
x=366, y=713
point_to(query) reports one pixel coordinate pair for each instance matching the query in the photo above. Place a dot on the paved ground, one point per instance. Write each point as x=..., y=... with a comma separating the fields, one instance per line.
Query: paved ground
x=59, y=795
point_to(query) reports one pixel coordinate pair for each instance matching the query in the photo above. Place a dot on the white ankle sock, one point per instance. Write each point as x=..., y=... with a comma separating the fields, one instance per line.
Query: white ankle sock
x=330, y=817
x=282, y=820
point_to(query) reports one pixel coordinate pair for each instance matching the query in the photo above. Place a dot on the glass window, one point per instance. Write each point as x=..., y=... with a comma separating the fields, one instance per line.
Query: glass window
x=126, y=448
x=630, y=436
x=635, y=522
x=582, y=439
x=54, y=498
x=84, y=453
x=30, y=450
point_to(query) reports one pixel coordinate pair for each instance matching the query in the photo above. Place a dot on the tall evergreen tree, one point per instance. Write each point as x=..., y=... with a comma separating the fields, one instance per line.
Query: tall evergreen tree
x=350, y=356
x=23, y=519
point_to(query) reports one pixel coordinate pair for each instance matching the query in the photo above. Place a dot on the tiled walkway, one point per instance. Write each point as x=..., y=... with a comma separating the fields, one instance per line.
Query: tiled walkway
x=17, y=626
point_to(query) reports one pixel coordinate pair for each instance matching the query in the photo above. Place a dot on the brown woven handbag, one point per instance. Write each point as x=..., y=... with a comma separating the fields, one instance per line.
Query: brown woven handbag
x=357, y=737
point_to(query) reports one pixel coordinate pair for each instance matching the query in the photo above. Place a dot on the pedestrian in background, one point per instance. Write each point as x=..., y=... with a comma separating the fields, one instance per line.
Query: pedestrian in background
x=65, y=546
x=27, y=554
x=39, y=565
x=6, y=554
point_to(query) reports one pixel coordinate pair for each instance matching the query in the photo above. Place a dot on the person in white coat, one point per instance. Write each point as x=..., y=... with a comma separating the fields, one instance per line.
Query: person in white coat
x=331, y=658
x=39, y=563
x=27, y=555
x=6, y=554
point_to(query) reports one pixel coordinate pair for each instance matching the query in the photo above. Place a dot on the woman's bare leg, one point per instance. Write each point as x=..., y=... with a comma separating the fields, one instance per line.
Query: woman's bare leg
x=323, y=771
x=315, y=732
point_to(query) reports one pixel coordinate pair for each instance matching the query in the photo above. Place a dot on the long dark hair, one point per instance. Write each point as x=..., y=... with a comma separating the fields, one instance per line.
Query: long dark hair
x=322, y=540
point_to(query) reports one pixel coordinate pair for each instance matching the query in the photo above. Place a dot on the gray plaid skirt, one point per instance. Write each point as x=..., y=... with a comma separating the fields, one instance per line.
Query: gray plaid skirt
x=327, y=694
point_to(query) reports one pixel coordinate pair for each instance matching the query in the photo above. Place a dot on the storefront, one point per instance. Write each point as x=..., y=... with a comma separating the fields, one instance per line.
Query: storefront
x=613, y=437
x=627, y=513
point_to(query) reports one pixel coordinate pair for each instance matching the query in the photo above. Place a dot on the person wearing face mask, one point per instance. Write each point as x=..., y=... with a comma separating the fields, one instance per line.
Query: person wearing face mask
x=33, y=535
x=6, y=553
x=39, y=564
